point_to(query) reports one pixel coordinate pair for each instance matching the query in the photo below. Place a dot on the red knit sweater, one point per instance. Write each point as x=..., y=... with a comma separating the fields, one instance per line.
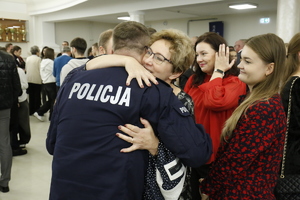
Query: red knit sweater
x=214, y=103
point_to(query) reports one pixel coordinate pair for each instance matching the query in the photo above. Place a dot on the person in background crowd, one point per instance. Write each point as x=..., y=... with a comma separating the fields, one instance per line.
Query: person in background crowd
x=48, y=84
x=14, y=122
x=20, y=140
x=95, y=49
x=78, y=47
x=16, y=51
x=215, y=90
x=43, y=52
x=8, y=47
x=89, y=53
x=44, y=99
x=10, y=88
x=64, y=44
x=105, y=42
x=186, y=75
x=232, y=55
x=292, y=68
x=59, y=62
x=34, y=79
x=249, y=157
x=238, y=47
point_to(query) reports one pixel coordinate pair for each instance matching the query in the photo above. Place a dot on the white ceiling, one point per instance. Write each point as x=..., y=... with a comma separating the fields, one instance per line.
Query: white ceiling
x=108, y=10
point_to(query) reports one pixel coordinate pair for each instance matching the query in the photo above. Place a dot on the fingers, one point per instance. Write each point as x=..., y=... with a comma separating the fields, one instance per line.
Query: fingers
x=129, y=140
x=129, y=129
x=129, y=149
x=232, y=63
x=145, y=122
x=128, y=80
x=153, y=79
x=125, y=137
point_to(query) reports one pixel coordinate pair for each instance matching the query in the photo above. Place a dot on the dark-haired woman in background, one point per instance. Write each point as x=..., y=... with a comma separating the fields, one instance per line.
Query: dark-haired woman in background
x=16, y=51
x=215, y=90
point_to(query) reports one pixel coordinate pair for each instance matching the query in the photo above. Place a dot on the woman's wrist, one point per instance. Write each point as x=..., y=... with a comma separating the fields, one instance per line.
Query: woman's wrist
x=219, y=71
x=154, y=148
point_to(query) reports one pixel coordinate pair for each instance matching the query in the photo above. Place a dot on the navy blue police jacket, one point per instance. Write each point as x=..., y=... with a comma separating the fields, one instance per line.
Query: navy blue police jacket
x=87, y=162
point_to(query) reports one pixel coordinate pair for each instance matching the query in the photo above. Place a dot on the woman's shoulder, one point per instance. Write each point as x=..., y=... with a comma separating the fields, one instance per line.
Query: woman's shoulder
x=271, y=104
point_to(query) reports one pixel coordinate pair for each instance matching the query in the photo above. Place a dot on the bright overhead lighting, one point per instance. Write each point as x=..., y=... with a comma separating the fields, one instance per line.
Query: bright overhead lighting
x=124, y=18
x=243, y=6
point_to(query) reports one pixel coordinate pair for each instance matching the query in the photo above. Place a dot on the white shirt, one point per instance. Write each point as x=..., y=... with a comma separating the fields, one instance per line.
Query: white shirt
x=72, y=64
x=47, y=71
x=24, y=84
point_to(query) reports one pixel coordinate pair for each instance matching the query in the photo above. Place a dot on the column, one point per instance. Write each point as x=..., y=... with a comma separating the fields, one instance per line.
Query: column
x=42, y=33
x=137, y=16
x=287, y=19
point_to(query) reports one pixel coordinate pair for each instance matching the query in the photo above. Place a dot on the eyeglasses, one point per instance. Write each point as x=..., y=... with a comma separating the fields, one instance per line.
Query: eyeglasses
x=157, y=57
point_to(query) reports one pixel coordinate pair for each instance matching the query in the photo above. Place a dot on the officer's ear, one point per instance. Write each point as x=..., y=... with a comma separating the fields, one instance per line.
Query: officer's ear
x=101, y=50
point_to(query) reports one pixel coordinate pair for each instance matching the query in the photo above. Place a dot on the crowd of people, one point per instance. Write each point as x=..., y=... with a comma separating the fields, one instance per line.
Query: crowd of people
x=200, y=120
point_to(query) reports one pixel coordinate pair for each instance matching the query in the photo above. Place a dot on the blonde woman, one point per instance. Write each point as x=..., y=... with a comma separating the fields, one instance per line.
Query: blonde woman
x=249, y=157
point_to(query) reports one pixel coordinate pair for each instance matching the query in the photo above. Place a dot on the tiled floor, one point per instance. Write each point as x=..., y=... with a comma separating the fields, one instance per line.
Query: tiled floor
x=31, y=173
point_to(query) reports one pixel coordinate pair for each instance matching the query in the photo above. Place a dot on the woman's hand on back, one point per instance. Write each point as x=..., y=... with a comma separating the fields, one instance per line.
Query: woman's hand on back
x=141, y=138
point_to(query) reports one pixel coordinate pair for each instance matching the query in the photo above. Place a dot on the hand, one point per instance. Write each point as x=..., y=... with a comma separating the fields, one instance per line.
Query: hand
x=138, y=71
x=204, y=197
x=141, y=138
x=222, y=59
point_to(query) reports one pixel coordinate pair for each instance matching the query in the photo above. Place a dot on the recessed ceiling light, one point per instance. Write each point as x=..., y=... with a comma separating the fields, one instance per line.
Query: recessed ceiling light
x=243, y=6
x=124, y=18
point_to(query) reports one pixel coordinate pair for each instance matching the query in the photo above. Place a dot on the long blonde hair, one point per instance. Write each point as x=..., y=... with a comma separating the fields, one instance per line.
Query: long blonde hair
x=270, y=48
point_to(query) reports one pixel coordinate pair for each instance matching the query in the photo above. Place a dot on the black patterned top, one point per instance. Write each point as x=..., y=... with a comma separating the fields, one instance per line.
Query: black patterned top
x=160, y=162
x=247, y=166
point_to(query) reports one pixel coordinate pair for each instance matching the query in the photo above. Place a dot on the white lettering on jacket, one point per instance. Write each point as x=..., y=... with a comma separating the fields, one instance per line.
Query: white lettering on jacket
x=102, y=93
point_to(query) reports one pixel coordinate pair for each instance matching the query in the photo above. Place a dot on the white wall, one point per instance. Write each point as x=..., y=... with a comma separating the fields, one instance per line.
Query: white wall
x=90, y=31
x=236, y=27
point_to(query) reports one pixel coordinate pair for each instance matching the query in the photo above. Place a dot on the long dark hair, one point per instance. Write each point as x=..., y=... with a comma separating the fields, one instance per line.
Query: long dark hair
x=214, y=40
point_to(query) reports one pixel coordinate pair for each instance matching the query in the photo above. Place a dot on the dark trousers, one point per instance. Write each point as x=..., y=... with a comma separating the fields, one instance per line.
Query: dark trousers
x=24, y=125
x=198, y=173
x=5, y=148
x=13, y=125
x=34, y=92
x=50, y=89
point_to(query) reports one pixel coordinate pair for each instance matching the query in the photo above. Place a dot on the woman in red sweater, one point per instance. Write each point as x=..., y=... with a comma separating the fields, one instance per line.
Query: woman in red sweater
x=215, y=90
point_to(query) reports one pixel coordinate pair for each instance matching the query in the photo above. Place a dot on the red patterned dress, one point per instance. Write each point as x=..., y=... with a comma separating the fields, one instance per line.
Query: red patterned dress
x=247, y=166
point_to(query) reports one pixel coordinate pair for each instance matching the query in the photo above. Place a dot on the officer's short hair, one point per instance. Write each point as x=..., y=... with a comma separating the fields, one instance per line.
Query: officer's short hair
x=130, y=35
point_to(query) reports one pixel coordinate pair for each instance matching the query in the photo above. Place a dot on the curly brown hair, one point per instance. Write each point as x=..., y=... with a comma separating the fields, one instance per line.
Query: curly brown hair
x=181, y=49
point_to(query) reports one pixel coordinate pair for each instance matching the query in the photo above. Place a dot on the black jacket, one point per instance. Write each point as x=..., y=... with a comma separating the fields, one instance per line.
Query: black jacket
x=10, y=86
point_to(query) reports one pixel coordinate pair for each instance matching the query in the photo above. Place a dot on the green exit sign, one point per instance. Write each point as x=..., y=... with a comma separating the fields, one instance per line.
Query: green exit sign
x=265, y=20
